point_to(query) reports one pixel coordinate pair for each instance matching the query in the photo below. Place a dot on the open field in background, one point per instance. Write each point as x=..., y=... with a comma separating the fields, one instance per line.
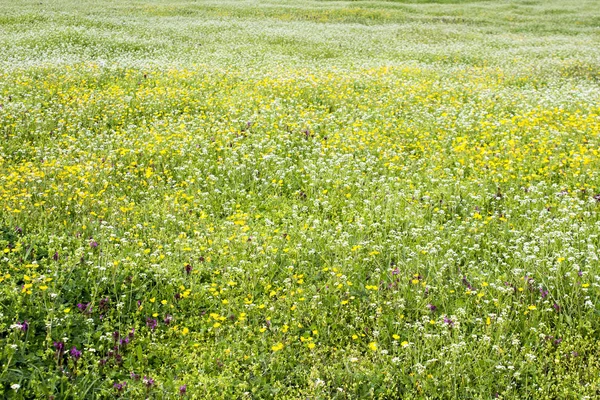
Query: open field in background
x=300, y=199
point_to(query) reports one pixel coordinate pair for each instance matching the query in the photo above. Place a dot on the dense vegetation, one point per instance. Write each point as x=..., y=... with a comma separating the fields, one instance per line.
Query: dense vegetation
x=300, y=199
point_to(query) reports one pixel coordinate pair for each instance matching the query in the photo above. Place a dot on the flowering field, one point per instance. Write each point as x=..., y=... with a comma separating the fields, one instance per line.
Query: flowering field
x=307, y=199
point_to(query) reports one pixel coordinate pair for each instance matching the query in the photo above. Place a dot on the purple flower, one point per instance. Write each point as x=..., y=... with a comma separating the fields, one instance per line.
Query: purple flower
x=149, y=382
x=76, y=354
x=448, y=321
x=597, y=197
x=466, y=283
x=120, y=386
x=18, y=230
x=59, y=346
x=396, y=271
x=104, y=303
x=93, y=244
x=431, y=307
x=544, y=293
x=182, y=389
x=188, y=269
x=168, y=319
x=134, y=376
x=24, y=326
x=556, y=307
x=55, y=256
x=85, y=308
x=151, y=323
x=116, y=335
x=131, y=333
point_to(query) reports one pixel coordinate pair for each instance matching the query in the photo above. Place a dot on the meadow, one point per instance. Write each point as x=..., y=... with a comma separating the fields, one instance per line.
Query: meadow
x=299, y=199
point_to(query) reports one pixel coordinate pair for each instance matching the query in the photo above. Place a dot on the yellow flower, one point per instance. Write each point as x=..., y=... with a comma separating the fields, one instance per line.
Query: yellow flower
x=396, y=337
x=373, y=346
x=185, y=331
x=163, y=302
x=532, y=307
x=216, y=325
x=67, y=310
x=277, y=347
x=152, y=300
x=311, y=345
x=404, y=344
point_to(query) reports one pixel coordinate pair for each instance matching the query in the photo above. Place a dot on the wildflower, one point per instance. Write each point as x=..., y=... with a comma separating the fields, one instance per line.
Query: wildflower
x=24, y=326
x=431, y=307
x=15, y=386
x=448, y=321
x=120, y=386
x=182, y=389
x=76, y=354
x=103, y=304
x=134, y=376
x=188, y=268
x=373, y=346
x=151, y=323
x=93, y=244
x=168, y=318
x=85, y=308
x=277, y=347
x=149, y=382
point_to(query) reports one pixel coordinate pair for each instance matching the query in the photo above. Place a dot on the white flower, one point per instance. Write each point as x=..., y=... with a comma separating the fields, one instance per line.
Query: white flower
x=15, y=386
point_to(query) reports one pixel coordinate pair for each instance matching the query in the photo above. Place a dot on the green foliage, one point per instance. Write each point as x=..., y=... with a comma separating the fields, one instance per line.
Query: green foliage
x=328, y=200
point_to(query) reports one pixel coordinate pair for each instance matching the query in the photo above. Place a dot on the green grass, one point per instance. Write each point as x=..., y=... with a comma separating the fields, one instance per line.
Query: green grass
x=299, y=199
